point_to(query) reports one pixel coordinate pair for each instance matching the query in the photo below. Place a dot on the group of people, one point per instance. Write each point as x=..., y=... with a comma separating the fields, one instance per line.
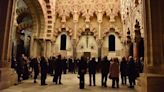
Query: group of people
x=128, y=68
x=56, y=66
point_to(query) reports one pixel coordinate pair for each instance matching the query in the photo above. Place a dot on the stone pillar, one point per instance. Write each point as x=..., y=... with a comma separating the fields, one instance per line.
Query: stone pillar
x=74, y=45
x=129, y=50
x=53, y=48
x=135, y=50
x=74, y=41
x=137, y=39
x=99, y=31
x=129, y=45
x=48, y=48
x=74, y=38
x=7, y=75
x=152, y=79
x=99, y=48
x=99, y=14
x=32, y=47
x=43, y=47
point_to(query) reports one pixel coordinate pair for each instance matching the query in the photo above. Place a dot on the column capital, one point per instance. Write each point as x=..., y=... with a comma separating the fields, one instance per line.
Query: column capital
x=99, y=17
x=75, y=17
x=99, y=42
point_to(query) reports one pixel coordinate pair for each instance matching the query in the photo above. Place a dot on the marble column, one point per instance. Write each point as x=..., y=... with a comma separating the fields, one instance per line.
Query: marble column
x=99, y=31
x=99, y=48
x=74, y=39
x=7, y=75
x=74, y=49
x=99, y=38
x=152, y=79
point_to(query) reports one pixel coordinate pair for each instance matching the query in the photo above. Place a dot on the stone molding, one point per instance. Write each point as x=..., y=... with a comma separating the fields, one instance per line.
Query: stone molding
x=59, y=30
x=87, y=8
x=116, y=31
x=92, y=29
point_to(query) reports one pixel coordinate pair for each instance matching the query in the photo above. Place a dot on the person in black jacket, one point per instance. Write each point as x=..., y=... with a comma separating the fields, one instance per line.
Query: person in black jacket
x=82, y=68
x=123, y=70
x=50, y=69
x=35, y=67
x=104, y=71
x=64, y=60
x=92, y=71
x=131, y=72
x=58, y=70
x=19, y=67
x=44, y=70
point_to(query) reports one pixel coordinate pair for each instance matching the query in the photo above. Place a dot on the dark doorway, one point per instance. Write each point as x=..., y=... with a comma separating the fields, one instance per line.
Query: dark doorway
x=111, y=43
x=87, y=54
x=63, y=42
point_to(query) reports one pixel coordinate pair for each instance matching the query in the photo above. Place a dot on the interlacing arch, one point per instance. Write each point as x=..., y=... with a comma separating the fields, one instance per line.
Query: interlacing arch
x=37, y=15
x=113, y=29
x=92, y=29
x=63, y=29
x=22, y=13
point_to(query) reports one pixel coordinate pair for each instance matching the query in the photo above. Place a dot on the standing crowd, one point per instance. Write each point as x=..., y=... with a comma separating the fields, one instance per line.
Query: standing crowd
x=128, y=68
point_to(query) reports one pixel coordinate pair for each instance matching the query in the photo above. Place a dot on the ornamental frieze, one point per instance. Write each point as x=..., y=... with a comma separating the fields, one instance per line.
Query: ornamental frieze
x=87, y=8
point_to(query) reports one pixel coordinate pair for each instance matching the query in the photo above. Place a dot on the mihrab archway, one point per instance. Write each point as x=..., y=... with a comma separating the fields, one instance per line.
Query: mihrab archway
x=111, y=45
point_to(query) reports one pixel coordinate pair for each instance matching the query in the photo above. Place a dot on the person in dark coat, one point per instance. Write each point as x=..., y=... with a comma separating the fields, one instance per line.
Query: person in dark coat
x=82, y=68
x=123, y=70
x=114, y=72
x=71, y=65
x=142, y=64
x=92, y=65
x=139, y=66
x=44, y=70
x=19, y=67
x=131, y=72
x=50, y=61
x=104, y=71
x=26, y=72
x=35, y=67
x=13, y=62
x=64, y=65
x=58, y=70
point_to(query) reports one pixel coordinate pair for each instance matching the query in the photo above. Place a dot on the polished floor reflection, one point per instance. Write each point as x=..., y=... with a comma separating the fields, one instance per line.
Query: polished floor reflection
x=70, y=84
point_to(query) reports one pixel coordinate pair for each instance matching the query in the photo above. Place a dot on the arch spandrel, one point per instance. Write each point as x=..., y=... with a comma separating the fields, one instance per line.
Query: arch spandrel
x=116, y=30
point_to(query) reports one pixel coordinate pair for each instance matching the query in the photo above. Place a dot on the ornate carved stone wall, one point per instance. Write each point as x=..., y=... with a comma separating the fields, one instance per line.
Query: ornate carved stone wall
x=131, y=10
x=97, y=15
x=75, y=15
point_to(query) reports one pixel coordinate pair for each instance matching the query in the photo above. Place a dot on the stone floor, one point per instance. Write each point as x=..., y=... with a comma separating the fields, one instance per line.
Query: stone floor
x=70, y=84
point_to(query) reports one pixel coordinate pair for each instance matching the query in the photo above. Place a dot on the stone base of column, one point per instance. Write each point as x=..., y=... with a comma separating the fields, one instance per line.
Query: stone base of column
x=8, y=77
x=150, y=83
